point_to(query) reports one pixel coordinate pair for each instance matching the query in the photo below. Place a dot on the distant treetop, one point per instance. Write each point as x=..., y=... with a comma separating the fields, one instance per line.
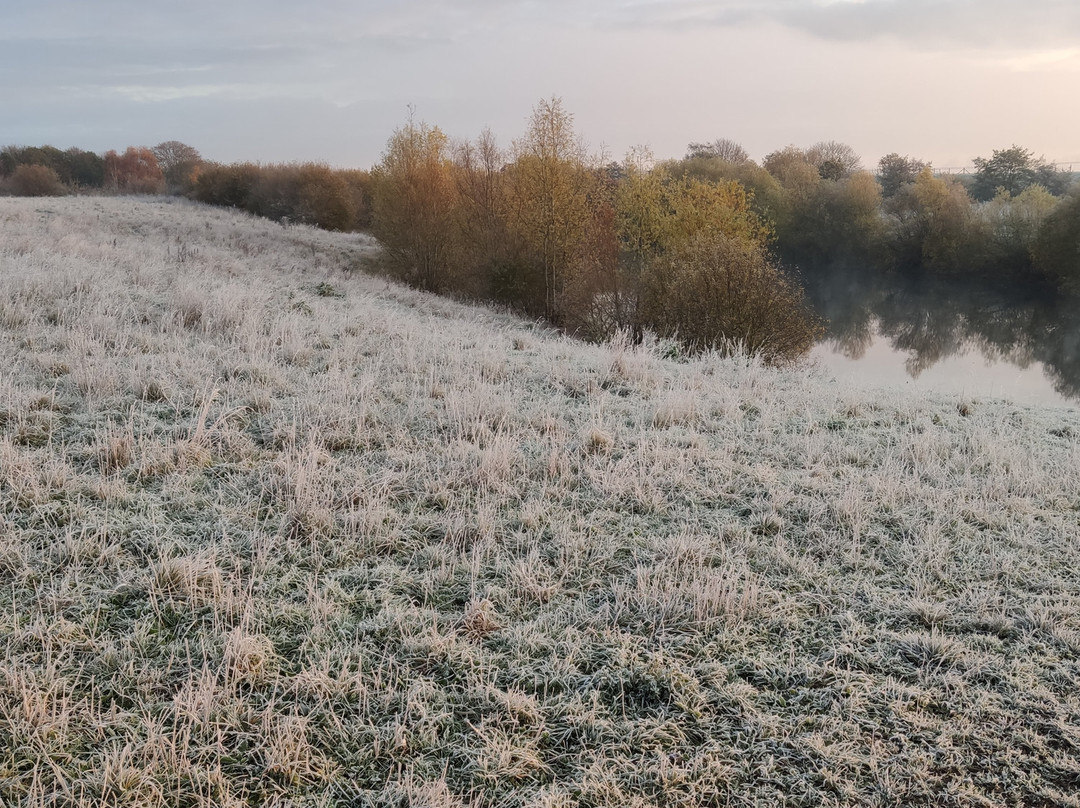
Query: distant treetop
x=1014, y=169
x=720, y=149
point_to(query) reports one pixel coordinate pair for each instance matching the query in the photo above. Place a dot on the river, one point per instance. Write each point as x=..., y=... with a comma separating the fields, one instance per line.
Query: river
x=999, y=340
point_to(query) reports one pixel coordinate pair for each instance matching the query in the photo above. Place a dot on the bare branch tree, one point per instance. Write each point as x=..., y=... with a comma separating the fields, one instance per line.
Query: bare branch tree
x=720, y=149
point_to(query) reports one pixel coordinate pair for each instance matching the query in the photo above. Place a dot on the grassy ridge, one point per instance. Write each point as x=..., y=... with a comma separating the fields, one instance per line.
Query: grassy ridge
x=273, y=531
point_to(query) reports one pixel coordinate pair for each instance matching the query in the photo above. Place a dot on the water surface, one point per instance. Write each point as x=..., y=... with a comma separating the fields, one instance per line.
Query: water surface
x=1014, y=341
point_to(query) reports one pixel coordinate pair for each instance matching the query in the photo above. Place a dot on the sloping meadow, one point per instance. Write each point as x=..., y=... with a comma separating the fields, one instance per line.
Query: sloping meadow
x=274, y=531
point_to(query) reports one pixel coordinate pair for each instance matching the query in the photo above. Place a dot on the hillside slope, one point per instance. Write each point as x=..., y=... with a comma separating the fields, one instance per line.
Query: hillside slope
x=273, y=531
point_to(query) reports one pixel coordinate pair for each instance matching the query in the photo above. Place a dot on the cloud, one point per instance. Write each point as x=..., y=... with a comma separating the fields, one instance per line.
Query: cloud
x=935, y=24
x=249, y=21
x=143, y=93
x=927, y=24
x=330, y=79
x=301, y=65
x=151, y=52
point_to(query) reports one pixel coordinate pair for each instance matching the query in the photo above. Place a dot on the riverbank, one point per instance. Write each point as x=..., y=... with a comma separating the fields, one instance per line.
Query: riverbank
x=272, y=529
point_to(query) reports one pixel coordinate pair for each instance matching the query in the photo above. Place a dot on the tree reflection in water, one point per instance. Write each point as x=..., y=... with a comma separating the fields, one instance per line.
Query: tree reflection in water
x=930, y=319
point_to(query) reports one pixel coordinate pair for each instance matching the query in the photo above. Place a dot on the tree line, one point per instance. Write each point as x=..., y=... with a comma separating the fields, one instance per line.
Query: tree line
x=702, y=249
x=595, y=248
x=696, y=247
x=1015, y=216
x=304, y=193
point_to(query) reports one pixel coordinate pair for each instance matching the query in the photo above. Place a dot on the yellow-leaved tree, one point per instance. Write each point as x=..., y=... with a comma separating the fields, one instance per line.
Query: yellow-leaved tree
x=414, y=200
x=548, y=187
x=935, y=227
x=713, y=286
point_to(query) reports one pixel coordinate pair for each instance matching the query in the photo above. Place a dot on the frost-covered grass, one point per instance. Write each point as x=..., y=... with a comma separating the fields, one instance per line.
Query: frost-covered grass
x=274, y=531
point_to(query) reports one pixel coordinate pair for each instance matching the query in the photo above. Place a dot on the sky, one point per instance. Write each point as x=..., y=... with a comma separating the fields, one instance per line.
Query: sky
x=329, y=80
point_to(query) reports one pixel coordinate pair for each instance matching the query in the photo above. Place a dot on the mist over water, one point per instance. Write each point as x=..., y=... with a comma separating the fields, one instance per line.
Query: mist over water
x=1000, y=340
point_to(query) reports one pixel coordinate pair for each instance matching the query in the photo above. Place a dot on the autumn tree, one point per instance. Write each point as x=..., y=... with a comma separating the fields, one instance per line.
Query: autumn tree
x=414, y=204
x=829, y=209
x=795, y=210
x=794, y=169
x=655, y=211
x=623, y=235
x=136, y=171
x=700, y=270
x=767, y=196
x=934, y=226
x=179, y=163
x=864, y=228
x=693, y=207
x=548, y=196
x=840, y=224
x=641, y=209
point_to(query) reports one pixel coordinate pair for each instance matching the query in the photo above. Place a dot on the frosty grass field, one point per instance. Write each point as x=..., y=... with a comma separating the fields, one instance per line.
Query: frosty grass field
x=276, y=531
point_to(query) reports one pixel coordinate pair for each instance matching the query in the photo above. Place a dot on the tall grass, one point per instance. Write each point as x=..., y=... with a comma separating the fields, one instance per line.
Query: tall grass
x=274, y=531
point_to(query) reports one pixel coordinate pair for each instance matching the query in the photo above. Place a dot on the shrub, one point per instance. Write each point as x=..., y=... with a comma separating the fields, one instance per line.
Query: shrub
x=717, y=292
x=358, y=184
x=308, y=193
x=229, y=186
x=269, y=191
x=36, y=180
x=325, y=198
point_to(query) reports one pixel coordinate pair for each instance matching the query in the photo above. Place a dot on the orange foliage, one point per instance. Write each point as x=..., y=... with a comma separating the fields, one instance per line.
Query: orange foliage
x=136, y=171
